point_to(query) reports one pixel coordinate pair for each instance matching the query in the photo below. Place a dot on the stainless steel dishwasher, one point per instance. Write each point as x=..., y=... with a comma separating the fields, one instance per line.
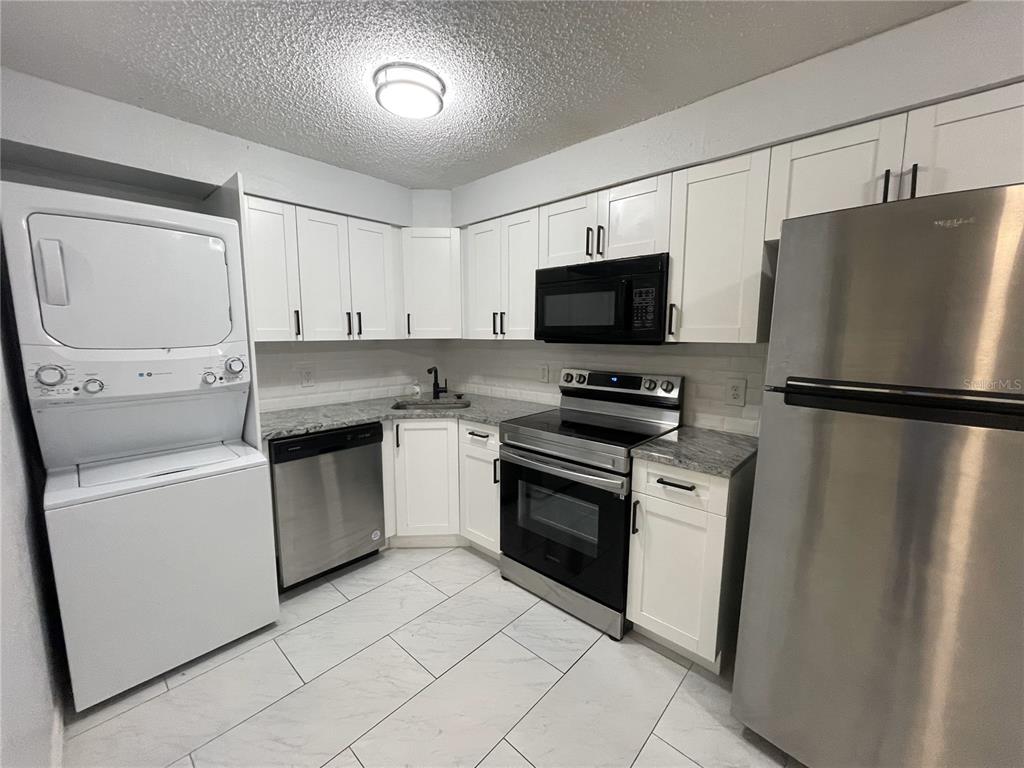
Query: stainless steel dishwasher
x=328, y=499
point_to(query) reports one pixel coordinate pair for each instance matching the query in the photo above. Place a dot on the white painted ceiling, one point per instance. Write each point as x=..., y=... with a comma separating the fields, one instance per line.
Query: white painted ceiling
x=524, y=78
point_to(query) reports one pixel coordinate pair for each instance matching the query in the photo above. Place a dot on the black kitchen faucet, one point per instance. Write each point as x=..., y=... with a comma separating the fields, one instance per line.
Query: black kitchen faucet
x=438, y=389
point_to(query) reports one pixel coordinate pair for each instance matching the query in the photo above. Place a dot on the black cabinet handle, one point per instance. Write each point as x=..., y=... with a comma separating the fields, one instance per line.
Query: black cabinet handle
x=635, y=505
x=348, y=318
x=913, y=181
x=478, y=434
x=494, y=323
x=408, y=324
x=494, y=470
x=590, y=241
x=680, y=486
x=298, y=323
x=359, y=322
x=398, y=440
x=885, y=186
x=502, y=323
x=600, y=240
x=671, y=319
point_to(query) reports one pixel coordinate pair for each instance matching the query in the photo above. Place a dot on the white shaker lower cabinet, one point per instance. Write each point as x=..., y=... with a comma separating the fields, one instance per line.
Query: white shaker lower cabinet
x=716, y=270
x=479, y=485
x=633, y=219
x=426, y=476
x=686, y=557
x=968, y=143
x=272, y=270
x=432, y=280
x=835, y=170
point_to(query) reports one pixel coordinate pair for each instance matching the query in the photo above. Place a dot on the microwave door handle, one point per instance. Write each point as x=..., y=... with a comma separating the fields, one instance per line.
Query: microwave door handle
x=603, y=483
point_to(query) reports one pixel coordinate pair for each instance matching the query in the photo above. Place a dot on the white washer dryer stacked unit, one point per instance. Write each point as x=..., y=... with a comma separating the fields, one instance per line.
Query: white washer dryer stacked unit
x=132, y=326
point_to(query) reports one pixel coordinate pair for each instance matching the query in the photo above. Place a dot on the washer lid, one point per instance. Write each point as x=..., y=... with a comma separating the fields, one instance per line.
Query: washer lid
x=110, y=285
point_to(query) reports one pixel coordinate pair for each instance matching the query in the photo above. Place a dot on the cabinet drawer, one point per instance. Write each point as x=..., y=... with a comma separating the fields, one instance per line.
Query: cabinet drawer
x=691, y=489
x=480, y=435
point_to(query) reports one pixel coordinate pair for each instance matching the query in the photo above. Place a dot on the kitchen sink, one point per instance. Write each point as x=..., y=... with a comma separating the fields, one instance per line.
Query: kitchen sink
x=429, y=405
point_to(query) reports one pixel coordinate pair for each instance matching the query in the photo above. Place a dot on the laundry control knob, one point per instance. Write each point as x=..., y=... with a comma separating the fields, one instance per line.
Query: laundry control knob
x=667, y=386
x=580, y=378
x=92, y=386
x=650, y=384
x=209, y=377
x=50, y=375
x=567, y=378
x=234, y=365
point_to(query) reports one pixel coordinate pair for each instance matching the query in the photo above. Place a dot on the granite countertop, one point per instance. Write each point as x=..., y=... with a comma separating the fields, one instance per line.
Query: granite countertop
x=700, y=450
x=317, y=418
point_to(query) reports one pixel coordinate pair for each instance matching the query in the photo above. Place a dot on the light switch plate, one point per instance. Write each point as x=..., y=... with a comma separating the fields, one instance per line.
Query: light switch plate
x=544, y=373
x=306, y=377
x=736, y=392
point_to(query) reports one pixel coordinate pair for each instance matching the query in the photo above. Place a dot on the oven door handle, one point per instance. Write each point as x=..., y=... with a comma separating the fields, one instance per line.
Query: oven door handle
x=619, y=485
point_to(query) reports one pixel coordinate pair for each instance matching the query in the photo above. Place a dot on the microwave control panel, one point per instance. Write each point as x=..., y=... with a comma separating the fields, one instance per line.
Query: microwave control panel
x=644, y=310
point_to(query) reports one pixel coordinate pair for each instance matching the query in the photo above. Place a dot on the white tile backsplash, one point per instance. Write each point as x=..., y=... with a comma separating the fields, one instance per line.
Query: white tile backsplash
x=346, y=371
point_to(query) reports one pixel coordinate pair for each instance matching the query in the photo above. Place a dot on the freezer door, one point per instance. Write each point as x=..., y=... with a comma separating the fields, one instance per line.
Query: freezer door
x=919, y=293
x=882, y=618
x=112, y=285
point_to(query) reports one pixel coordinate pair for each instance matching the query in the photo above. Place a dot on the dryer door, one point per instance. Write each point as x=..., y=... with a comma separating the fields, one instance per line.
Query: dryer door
x=112, y=285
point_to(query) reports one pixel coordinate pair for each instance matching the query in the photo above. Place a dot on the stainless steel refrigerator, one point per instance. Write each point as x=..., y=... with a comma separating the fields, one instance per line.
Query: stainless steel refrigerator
x=883, y=603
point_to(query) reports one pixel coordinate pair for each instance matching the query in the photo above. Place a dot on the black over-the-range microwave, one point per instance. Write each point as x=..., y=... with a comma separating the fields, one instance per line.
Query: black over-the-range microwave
x=619, y=301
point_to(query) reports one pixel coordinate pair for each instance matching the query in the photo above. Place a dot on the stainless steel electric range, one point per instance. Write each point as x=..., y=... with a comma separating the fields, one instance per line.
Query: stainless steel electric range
x=565, y=485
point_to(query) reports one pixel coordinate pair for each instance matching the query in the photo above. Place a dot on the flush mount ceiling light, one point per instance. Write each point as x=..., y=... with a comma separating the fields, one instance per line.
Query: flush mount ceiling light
x=409, y=90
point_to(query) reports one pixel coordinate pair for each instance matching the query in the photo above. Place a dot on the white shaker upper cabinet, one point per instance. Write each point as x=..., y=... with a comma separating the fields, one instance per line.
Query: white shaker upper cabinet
x=840, y=169
x=519, y=250
x=272, y=270
x=432, y=277
x=633, y=219
x=374, y=267
x=968, y=143
x=324, y=276
x=568, y=231
x=482, y=272
x=717, y=252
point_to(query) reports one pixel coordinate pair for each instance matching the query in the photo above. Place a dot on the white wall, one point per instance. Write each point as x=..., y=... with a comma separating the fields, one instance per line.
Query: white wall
x=969, y=47
x=54, y=116
x=431, y=208
x=511, y=369
x=30, y=714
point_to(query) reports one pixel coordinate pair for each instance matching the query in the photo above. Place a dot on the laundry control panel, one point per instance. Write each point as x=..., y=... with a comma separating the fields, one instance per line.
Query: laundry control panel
x=55, y=377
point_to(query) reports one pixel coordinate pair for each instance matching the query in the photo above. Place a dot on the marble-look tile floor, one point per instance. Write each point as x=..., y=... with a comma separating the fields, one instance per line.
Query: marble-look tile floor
x=425, y=658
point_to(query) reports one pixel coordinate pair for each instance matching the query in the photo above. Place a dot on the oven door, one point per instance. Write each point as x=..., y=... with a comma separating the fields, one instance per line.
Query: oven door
x=567, y=522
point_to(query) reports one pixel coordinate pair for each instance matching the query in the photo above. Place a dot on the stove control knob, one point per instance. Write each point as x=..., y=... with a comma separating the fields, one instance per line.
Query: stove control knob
x=650, y=384
x=234, y=365
x=667, y=386
x=567, y=378
x=209, y=377
x=92, y=386
x=50, y=375
x=581, y=378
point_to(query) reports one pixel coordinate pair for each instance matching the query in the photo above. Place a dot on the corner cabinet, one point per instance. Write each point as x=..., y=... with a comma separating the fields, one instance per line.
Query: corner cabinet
x=479, y=485
x=499, y=263
x=426, y=476
x=836, y=170
x=272, y=270
x=432, y=282
x=716, y=270
x=686, y=557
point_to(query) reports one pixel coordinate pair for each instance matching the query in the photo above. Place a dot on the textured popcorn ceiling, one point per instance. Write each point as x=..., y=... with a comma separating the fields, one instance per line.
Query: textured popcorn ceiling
x=524, y=78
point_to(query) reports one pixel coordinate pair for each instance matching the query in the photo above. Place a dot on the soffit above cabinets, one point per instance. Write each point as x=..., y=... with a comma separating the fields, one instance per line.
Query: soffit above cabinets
x=524, y=79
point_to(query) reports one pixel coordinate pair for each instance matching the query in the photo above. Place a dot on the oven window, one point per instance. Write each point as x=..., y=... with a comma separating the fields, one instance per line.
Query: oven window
x=558, y=517
x=594, y=308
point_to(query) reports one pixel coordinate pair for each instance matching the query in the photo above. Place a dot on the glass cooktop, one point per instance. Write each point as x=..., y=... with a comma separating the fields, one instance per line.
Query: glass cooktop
x=600, y=428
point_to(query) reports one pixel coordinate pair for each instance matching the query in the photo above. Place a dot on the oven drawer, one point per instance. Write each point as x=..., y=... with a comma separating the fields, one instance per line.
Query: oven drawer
x=680, y=486
x=480, y=435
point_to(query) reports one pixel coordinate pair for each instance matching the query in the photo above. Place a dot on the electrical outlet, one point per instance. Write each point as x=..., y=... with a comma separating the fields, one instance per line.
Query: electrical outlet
x=544, y=373
x=306, y=378
x=736, y=392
